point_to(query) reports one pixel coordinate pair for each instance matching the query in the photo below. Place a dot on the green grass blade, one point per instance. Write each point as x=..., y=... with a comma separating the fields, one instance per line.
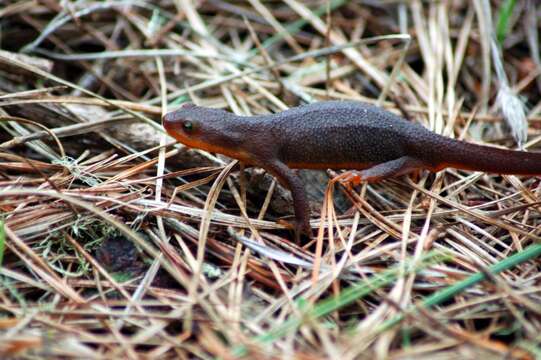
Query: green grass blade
x=346, y=297
x=503, y=19
x=443, y=295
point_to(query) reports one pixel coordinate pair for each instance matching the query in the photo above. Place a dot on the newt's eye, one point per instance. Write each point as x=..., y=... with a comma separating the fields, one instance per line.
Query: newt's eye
x=188, y=126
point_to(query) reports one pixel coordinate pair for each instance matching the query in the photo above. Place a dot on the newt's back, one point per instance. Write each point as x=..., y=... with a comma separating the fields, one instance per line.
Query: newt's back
x=341, y=134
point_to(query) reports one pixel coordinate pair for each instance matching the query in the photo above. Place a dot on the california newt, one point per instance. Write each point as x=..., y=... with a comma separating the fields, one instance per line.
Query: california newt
x=336, y=135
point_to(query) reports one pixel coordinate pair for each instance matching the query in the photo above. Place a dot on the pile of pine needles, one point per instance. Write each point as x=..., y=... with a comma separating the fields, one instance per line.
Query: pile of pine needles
x=116, y=242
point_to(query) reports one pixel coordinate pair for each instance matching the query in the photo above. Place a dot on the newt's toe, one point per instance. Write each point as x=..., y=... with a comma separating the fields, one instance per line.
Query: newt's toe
x=349, y=178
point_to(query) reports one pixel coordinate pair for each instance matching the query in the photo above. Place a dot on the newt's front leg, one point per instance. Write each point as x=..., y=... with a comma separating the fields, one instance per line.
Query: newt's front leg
x=291, y=180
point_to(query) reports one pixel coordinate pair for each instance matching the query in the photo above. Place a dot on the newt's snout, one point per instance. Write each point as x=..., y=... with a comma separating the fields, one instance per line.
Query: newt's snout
x=167, y=121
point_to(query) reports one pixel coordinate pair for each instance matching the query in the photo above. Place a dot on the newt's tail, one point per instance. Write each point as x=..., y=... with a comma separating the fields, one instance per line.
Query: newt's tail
x=445, y=152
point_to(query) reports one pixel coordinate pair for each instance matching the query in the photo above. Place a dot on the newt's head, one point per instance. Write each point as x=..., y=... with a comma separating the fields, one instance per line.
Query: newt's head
x=213, y=130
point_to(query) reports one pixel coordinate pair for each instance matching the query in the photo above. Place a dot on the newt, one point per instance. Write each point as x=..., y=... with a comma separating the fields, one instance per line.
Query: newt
x=336, y=135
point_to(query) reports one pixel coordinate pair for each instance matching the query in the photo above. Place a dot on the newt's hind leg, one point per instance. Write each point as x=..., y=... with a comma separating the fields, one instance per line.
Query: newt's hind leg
x=397, y=167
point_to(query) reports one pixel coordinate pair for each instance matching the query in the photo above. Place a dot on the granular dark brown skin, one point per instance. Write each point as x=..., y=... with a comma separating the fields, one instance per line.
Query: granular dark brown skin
x=336, y=135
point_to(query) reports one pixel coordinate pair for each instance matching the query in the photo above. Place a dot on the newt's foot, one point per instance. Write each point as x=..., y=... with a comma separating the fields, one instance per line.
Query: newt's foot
x=301, y=229
x=349, y=178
